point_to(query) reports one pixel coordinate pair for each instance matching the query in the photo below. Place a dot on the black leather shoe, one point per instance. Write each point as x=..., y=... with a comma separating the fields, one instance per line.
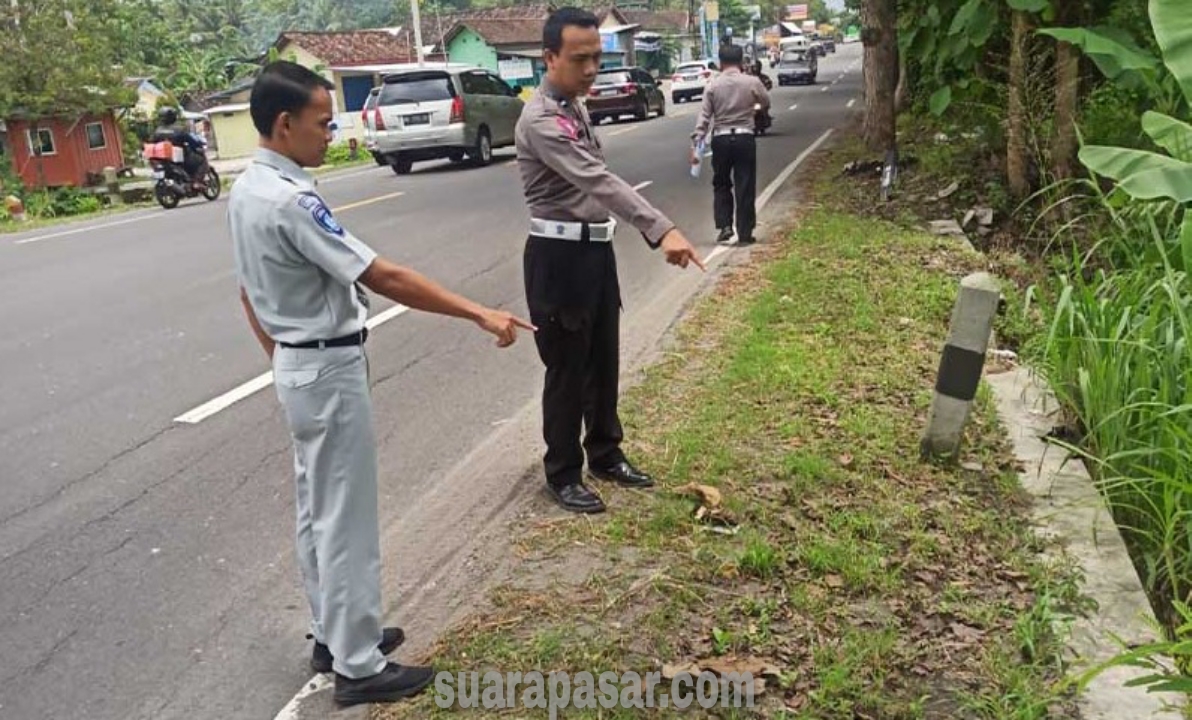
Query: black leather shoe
x=623, y=474
x=725, y=235
x=321, y=659
x=576, y=498
x=390, y=685
x=747, y=241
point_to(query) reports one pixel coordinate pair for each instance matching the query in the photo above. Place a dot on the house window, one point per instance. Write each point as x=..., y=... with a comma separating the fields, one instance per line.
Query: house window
x=41, y=143
x=95, y=137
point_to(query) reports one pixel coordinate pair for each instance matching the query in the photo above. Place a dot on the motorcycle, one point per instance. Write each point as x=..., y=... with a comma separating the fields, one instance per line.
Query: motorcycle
x=761, y=120
x=174, y=183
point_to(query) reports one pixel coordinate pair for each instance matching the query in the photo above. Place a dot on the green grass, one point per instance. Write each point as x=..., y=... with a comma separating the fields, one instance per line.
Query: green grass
x=877, y=585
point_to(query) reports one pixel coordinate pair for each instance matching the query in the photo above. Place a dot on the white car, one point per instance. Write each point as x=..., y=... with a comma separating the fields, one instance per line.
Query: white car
x=691, y=79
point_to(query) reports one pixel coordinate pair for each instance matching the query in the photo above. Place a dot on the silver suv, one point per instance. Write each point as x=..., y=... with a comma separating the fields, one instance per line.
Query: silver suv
x=454, y=113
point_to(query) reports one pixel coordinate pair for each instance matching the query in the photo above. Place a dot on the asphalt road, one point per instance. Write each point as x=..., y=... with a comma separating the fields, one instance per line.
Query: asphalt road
x=146, y=564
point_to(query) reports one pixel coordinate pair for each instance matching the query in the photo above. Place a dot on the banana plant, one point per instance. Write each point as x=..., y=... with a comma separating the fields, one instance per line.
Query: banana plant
x=1141, y=174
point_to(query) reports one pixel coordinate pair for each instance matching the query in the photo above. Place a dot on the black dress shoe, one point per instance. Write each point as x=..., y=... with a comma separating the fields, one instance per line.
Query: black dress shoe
x=576, y=498
x=623, y=474
x=747, y=241
x=321, y=659
x=725, y=235
x=391, y=684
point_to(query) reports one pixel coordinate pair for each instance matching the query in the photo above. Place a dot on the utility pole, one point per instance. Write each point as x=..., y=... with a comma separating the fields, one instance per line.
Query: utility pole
x=417, y=31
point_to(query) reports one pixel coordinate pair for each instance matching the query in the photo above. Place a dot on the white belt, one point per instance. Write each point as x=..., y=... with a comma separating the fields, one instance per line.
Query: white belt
x=567, y=230
x=732, y=131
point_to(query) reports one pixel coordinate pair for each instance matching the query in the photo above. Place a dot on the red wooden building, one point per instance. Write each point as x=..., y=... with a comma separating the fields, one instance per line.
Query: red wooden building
x=73, y=151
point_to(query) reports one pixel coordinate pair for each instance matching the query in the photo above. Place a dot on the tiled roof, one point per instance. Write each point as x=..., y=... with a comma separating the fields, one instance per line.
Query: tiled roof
x=668, y=21
x=360, y=47
x=511, y=31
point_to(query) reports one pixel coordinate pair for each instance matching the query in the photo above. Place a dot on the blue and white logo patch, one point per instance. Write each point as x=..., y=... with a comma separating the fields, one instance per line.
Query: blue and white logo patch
x=321, y=214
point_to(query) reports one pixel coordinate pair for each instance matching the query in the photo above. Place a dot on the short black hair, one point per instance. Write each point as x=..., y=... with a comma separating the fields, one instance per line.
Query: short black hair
x=732, y=55
x=552, y=32
x=282, y=86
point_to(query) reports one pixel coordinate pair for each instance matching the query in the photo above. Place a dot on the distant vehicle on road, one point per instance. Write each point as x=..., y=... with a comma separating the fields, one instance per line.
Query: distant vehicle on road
x=455, y=113
x=798, y=67
x=690, y=79
x=368, y=117
x=625, y=91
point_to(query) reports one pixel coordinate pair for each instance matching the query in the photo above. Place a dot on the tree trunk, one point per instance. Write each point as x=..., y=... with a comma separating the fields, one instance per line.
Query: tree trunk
x=879, y=33
x=1067, y=93
x=903, y=88
x=1016, y=149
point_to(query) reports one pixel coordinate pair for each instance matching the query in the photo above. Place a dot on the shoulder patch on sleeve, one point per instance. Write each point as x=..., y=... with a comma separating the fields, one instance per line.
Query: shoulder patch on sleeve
x=320, y=213
x=569, y=126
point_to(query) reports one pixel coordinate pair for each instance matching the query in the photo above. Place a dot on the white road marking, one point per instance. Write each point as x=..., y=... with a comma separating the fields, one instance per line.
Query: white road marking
x=643, y=185
x=851, y=103
x=786, y=173
x=717, y=252
x=89, y=228
x=264, y=380
x=826, y=88
x=795, y=106
x=624, y=130
x=369, y=201
x=151, y=215
x=318, y=683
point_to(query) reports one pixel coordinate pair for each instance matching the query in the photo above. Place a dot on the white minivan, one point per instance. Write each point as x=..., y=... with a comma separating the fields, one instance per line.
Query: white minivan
x=691, y=79
x=454, y=113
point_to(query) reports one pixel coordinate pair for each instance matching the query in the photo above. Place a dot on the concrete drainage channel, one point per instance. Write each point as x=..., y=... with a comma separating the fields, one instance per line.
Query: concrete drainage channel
x=1069, y=509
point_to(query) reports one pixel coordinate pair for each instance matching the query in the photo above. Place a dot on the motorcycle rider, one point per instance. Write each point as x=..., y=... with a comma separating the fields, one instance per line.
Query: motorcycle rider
x=194, y=155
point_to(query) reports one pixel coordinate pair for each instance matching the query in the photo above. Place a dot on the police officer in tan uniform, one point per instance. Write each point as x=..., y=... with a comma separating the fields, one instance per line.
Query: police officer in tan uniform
x=300, y=276
x=570, y=268
x=727, y=112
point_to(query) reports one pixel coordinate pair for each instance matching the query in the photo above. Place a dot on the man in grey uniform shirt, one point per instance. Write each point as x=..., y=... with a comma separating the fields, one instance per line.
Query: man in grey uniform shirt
x=728, y=113
x=570, y=269
x=301, y=274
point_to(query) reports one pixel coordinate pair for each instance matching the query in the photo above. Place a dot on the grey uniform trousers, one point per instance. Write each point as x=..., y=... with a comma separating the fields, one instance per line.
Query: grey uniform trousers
x=326, y=399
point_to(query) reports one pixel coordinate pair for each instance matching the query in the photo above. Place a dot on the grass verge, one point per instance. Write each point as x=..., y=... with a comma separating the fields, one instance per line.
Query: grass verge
x=795, y=530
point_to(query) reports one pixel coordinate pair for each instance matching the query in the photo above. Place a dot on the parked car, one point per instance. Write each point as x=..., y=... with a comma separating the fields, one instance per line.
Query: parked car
x=368, y=116
x=625, y=91
x=455, y=113
x=798, y=67
x=829, y=44
x=690, y=79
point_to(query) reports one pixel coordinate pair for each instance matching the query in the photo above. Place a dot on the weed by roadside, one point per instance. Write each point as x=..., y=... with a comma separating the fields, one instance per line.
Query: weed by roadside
x=795, y=529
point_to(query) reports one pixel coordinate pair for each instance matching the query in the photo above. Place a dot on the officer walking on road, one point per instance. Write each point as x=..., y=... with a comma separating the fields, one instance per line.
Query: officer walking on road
x=728, y=112
x=570, y=268
x=300, y=274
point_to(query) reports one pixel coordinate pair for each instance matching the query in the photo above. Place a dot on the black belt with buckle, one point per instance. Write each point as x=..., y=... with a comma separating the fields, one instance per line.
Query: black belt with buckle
x=356, y=338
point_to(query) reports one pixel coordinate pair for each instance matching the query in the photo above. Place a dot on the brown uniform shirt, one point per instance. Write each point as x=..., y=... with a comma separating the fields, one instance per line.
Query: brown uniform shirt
x=729, y=101
x=564, y=173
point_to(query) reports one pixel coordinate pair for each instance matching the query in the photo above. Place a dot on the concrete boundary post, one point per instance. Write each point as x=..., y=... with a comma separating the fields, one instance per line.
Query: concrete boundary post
x=962, y=365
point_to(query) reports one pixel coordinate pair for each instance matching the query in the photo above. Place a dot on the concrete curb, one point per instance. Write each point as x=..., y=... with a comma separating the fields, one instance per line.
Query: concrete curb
x=1068, y=508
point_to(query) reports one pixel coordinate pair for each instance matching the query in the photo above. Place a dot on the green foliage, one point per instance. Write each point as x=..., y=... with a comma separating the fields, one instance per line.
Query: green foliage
x=60, y=57
x=63, y=202
x=1110, y=115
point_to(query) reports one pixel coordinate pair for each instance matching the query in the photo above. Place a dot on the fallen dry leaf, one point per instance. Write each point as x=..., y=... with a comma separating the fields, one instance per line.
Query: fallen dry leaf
x=709, y=496
x=670, y=672
x=834, y=581
x=846, y=460
x=966, y=633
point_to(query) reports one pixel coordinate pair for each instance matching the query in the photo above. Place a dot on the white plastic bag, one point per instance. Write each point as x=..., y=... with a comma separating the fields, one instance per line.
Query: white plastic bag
x=699, y=160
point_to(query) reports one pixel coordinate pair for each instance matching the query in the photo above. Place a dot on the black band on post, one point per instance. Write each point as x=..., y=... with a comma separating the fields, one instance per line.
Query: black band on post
x=960, y=373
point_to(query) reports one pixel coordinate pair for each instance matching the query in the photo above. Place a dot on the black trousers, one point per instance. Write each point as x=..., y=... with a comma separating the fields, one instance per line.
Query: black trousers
x=575, y=301
x=734, y=168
